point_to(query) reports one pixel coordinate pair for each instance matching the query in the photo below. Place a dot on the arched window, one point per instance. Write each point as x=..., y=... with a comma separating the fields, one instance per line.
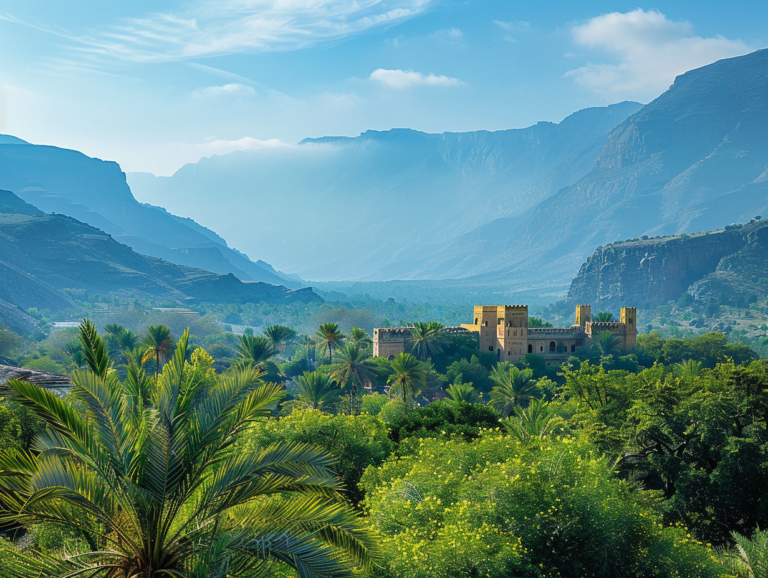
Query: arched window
x=530, y=348
x=552, y=346
x=541, y=349
x=391, y=358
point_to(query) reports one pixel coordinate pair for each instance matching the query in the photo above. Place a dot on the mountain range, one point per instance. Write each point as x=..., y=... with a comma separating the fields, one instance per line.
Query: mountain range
x=374, y=207
x=42, y=254
x=94, y=191
x=520, y=207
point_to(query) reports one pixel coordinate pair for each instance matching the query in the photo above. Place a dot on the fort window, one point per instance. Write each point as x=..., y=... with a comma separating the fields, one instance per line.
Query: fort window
x=541, y=348
x=490, y=348
x=530, y=348
x=552, y=346
x=391, y=358
x=573, y=348
x=475, y=320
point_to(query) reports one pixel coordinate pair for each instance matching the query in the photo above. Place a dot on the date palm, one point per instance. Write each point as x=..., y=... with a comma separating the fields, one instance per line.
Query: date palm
x=463, y=392
x=607, y=342
x=328, y=337
x=531, y=422
x=427, y=340
x=603, y=316
x=153, y=479
x=316, y=389
x=352, y=369
x=255, y=351
x=159, y=343
x=514, y=387
x=360, y=337
x=408, y=376
x=279, y=334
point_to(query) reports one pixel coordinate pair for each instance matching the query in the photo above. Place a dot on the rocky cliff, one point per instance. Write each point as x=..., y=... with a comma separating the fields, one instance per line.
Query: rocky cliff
x=727, y=265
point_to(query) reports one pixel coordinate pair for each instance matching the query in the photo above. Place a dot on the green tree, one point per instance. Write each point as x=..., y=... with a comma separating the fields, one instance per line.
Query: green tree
x=316, y=390
x=328, y=337
x=360, y=337
x=278, y=335
x=607, y=342
x=352, y=369
x=159, y=343
x=356, y=441
x=463, y=392
x=154, y=479
x=749, y=557
x=408, y=376
x=426, y=341
x=535, y=421
x=256, y=351
x=514, y=387
x=603, y=317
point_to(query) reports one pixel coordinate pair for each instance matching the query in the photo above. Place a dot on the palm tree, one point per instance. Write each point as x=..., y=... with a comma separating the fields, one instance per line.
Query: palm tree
x=352, y=369
x=75, y=351
x=463, y=392
x=279, y=334
x=689, y=368
x=748, y=558
x=316, y=389
x=360, y=337
x=329, y=337
x=514, y=387
x=154, y=480
x=427, y=340
x=408, y=376
x=603, y=316
x=531, y=422
x=159, y=344
x=607, y=342
x=255, y=351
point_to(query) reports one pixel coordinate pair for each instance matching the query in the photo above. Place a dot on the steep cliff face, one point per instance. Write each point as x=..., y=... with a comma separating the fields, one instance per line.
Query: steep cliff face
x=721, y=265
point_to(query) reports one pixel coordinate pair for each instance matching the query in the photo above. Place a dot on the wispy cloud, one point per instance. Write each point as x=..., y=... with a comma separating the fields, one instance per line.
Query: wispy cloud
x=651, y=51
x=450, y=35
x=408, y=78
x=229, y=26
x=232, y=89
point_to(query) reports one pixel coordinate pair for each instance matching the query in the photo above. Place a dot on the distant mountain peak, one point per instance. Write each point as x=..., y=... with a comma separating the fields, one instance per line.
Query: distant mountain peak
x=6, y=139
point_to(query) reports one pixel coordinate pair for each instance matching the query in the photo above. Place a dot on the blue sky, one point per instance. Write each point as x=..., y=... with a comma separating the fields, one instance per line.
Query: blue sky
x=153, y=84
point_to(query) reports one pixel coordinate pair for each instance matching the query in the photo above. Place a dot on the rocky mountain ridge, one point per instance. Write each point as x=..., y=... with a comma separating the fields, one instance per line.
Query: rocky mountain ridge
x=95, y=192
x=728, y=266
x=378, y=206
x=43, y=254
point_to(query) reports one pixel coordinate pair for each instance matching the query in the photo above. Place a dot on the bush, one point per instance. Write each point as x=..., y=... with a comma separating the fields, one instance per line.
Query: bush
x=498, y=508
x=443, y=418
x=356, y=441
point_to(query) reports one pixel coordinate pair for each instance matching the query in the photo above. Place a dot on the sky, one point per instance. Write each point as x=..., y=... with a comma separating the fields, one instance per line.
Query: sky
x=157, y=84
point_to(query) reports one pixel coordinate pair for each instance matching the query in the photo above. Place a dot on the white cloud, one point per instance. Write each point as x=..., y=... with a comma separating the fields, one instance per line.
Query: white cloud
x=233, y=89
x=408, y=78
x=651, y=51
x=451, y=35
x=514, y=25
x=230, y=26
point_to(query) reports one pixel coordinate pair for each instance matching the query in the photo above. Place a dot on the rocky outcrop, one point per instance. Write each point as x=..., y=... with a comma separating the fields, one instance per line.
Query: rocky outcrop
x=650, y=272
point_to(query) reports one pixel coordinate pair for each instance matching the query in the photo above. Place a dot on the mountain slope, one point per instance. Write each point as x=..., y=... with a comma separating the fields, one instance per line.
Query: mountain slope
x=376, y=206
x=41, y=254
x=95, y=192
x=695, y=158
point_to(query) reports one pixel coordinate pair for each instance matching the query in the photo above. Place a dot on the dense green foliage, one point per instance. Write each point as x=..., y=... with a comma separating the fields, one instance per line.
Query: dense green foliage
x=652, y=463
